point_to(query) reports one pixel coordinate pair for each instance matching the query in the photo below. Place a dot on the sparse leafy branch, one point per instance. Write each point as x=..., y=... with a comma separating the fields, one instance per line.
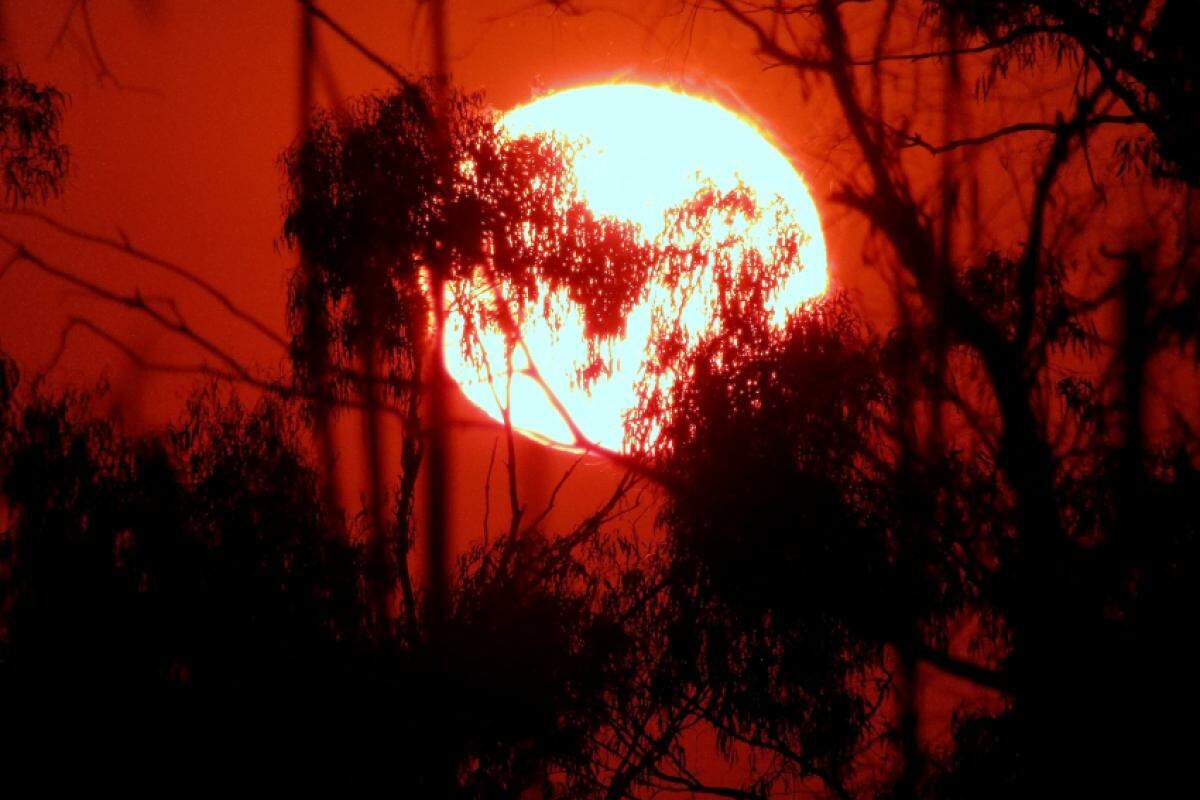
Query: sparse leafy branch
x=32, y=158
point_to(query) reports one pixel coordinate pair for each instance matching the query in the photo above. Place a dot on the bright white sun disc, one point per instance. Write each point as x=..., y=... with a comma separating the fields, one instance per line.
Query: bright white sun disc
x=642, y=150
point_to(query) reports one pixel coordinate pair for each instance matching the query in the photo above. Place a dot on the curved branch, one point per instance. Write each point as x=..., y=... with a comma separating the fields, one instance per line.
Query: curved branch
x=1012, y=37
x=123, y=245
x=916, y=140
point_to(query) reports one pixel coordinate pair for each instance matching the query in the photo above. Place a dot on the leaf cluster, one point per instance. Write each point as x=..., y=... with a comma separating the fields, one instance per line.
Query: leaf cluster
x=32, y=158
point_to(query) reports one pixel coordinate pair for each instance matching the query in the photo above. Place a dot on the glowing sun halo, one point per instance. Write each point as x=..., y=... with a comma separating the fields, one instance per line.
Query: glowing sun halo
x=644, y=149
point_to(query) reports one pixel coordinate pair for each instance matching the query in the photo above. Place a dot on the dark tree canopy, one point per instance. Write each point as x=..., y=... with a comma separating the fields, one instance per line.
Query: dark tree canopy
x=194, y=578
x=174, y=538
x=371, y=208
x=1143, y=49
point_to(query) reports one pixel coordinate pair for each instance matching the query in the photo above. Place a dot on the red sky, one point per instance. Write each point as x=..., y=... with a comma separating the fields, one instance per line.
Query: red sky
x=178, y=150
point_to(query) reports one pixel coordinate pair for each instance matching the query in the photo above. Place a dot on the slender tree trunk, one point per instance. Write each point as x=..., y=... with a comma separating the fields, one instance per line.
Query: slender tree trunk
x=313, y=325
x=437, y=572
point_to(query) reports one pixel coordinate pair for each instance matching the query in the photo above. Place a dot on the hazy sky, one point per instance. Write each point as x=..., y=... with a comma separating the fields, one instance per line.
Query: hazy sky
x=177, y=148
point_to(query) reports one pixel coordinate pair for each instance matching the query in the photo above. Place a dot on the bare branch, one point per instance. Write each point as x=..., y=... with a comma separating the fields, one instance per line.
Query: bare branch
x=916, y=140
x=352, y=40
x=769, y=45
x=1012, y=37
x=123, y=245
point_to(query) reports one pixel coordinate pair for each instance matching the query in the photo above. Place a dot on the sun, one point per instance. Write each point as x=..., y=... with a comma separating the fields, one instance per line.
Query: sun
x=641, y=151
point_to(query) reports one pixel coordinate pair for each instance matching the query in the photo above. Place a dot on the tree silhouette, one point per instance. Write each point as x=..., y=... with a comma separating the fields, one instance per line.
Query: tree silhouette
x=1019, y=511
x=32, y=158
x=1139, y=49
x=372, y=212
x=995, y=483
x=206, y=562
x=150, y=573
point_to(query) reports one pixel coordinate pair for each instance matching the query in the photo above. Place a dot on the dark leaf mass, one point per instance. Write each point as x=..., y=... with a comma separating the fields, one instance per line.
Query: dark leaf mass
x=32, y=159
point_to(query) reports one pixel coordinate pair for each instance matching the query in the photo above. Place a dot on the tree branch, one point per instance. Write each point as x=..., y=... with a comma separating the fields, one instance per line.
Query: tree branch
x=916, y=140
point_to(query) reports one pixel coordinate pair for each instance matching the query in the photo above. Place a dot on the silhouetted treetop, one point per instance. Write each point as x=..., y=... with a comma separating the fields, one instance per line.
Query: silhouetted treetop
x=1143, y=50
x=371, y=208
x=205, y=555
x=32, y=158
